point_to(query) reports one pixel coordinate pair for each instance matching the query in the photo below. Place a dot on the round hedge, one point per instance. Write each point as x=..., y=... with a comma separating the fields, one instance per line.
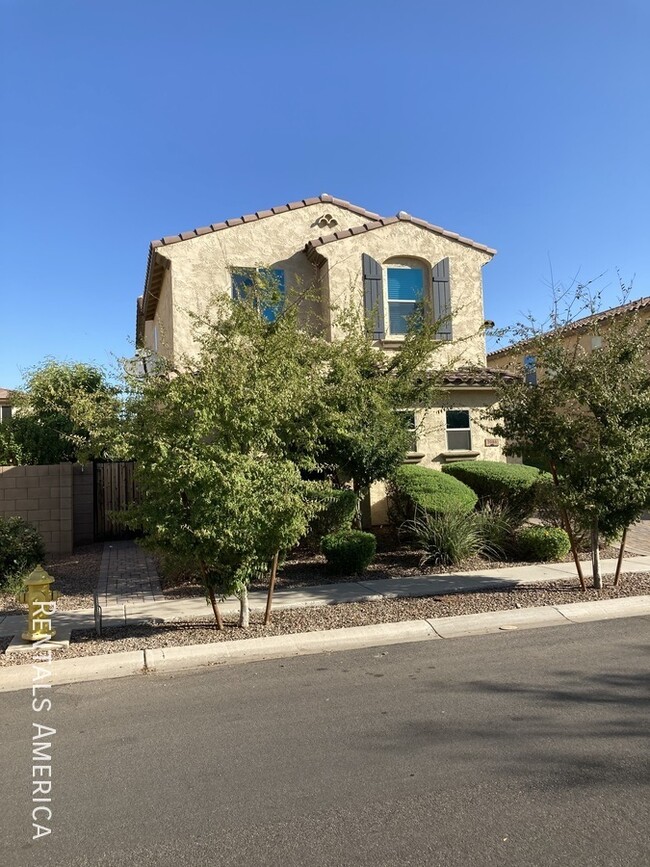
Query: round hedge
x=543, y=544
x=414, y=488
x=349, y=551
x=513, y=485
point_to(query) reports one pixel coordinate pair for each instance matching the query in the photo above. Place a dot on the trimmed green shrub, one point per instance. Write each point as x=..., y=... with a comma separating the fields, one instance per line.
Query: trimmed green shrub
x=339, y=510
x=543, y=544
x=512, y=485
x=21, y=549
x=349, y=551
x=415, y=488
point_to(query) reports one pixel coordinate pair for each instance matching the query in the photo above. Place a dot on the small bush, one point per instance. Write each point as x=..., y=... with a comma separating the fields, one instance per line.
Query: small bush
x=415, y=489
x=448, y=539
x=543, y=544
x=339, y=508
x=21, y=549
x=349, y=551
x=513, y=485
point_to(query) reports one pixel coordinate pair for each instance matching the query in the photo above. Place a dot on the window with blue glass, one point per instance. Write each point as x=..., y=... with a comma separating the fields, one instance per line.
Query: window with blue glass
x=530, y=368
x=262, y=287
x=405, y=294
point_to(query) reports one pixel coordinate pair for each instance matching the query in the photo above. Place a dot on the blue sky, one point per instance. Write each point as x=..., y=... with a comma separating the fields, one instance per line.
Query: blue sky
x=525, y=126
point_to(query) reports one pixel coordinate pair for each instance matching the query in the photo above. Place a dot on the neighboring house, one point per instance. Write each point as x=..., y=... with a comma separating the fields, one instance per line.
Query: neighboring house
x=6, y=404
x=348, y=254
x=588, y=332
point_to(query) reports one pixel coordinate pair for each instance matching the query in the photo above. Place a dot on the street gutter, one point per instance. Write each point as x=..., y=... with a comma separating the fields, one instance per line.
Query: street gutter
x=191, y=657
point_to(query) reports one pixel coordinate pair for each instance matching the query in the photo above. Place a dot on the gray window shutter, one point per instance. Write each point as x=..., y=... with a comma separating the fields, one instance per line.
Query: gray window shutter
x=373, y=294
x=442, y=299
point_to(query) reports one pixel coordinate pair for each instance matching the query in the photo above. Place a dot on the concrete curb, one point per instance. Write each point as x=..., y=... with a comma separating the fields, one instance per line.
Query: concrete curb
x=190, y=657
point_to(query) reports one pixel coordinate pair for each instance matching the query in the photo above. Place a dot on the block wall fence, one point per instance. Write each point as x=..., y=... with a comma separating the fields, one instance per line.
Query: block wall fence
x=56, y=499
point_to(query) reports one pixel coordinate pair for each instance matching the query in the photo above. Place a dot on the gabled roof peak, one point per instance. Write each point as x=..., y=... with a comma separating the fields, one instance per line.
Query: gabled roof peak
x=324, y=198
x=400, y=217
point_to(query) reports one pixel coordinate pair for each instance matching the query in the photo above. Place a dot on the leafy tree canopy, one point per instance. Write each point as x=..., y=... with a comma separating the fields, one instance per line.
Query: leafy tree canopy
x=588, y=418
x=56, y=410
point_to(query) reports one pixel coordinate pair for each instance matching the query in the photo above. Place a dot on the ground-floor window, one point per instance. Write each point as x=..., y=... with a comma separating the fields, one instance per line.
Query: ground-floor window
x=408, y=417
x=459, y=435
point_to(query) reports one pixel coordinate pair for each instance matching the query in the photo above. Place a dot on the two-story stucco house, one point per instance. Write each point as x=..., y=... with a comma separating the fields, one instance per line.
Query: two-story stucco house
x=349, y=254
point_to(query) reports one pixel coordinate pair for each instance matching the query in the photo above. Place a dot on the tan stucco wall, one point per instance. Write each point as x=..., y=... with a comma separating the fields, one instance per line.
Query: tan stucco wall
x=164, y=320
x=200, y=267
x=409, y=240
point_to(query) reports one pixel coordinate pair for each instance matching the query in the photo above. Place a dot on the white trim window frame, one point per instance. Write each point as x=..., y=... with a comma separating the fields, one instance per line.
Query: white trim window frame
x=458, y=429
x=406, y=294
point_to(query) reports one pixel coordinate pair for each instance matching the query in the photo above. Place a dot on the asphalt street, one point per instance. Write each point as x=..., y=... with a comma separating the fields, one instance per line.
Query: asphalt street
x=523, y=748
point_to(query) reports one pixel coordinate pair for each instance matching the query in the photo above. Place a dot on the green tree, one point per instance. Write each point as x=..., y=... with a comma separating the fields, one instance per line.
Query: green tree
x=365, y=437
x=219, y=442
x=225, y=440
x=57, y=410
x=588, y=419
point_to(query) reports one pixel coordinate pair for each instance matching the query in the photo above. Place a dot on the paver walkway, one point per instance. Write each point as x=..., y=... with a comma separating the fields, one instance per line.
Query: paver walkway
x=127, y=574
x=638, y=536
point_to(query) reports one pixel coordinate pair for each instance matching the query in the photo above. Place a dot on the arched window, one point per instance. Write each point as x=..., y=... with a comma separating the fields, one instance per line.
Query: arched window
x=407, y=282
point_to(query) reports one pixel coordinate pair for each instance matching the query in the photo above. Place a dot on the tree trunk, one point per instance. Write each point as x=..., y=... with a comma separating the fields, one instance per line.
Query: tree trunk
x=620, y=558
x=244, y=610
x=215, y=608
x=357, y=520
x=569, y=531
x=595, y=556
x=269, y=595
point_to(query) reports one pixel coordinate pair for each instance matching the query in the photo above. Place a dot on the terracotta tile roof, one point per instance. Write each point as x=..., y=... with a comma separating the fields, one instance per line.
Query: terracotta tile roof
x=5, y=394
x=478, y=376
x=154, y=275
x=324, y=198
x=579, y=324
x=402, y=217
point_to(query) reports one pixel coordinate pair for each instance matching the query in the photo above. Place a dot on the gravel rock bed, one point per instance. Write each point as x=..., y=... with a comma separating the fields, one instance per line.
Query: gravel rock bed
x=302, y=569
x=75, y=575
x=295, y=620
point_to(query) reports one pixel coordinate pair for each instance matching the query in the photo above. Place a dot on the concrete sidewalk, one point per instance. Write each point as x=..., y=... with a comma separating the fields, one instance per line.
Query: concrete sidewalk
x=192, y=608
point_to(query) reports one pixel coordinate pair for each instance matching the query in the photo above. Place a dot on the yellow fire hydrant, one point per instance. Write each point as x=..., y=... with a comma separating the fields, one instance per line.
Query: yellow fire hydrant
x=41, y=601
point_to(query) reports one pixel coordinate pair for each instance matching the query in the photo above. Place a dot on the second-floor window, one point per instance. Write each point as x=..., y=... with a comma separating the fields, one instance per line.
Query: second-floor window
x=401, y=287
x=253, y=284
x=5, y=413
x=405, y=294
x=530, y=370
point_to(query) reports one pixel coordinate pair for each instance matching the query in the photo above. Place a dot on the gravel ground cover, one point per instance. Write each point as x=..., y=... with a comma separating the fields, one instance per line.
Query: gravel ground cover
x=75, y=577
x=86, y=643
x=306, y=569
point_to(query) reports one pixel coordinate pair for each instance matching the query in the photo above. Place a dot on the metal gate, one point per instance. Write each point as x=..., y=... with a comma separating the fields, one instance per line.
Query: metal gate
x=115, y=489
